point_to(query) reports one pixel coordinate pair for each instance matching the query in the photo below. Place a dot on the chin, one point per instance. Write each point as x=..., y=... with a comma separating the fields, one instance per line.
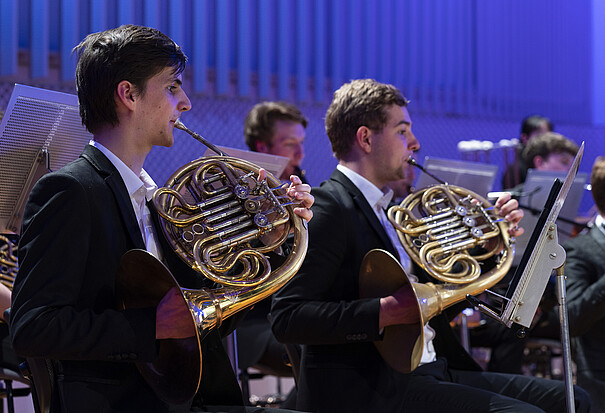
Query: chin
x=167, y=141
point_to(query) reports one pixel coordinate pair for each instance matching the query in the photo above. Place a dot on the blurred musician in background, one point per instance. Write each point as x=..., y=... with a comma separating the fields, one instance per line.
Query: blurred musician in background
x=278, y=128
x=370, y=130
x=585, y=272
x=530, y=127
x=81, y=219
x=549, y=151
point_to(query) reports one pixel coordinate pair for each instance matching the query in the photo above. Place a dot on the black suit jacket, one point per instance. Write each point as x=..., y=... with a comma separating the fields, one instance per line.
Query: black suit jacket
x=320, y=307
x=77, y=224
x=585, y=271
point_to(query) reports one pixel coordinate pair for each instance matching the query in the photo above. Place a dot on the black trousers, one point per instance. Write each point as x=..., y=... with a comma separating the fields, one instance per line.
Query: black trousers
x=436, y=388
x=246, y=409
x=595, y=386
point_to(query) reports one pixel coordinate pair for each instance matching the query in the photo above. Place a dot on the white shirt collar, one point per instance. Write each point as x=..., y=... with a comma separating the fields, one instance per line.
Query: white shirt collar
x=131, y=180
x=599, y=221
x=374, y=195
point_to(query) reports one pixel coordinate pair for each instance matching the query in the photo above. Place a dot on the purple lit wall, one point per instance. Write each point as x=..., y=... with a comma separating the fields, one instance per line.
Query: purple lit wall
x=472, y=69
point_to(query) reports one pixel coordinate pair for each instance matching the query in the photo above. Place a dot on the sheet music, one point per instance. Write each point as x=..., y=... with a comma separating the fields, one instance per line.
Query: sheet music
x=475, y=176
x=274, y=164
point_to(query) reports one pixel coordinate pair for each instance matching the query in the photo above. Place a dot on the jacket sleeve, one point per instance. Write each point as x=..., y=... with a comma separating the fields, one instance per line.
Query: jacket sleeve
x=321, y=304
x=585, y=287
x=55, y=311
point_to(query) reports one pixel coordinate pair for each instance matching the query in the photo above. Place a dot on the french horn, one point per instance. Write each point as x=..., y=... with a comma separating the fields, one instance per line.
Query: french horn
x=450, y=232
x=221, y=221
x=8, y=262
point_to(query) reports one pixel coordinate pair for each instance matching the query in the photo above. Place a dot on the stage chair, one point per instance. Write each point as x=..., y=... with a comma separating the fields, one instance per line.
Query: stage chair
x=36, y=373
x=40, y=373
x=293, y=351
x=7, y=377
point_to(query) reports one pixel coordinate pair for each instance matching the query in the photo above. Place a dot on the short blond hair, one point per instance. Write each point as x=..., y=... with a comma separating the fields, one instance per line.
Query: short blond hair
x=362, y=102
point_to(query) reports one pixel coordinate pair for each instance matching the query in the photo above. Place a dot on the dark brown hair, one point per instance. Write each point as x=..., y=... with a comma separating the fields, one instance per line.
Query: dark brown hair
x=545, y=144
x=260, y=121
x=597, y=181
x=132, y=53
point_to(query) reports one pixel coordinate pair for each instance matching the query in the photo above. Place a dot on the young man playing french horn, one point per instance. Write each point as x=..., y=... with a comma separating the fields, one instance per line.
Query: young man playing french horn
x=79, y=222
x=370, y=130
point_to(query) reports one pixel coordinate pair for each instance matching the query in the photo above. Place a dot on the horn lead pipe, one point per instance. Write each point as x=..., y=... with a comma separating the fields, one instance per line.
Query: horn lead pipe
x=179, y=125
x=413, y=162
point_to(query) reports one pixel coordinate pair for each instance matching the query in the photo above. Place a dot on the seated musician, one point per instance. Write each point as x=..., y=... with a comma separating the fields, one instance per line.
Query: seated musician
x=276, y=128
x=531, y=126
x=585, y=272
x=80, y=220
x=548, y=151
x=370, y=130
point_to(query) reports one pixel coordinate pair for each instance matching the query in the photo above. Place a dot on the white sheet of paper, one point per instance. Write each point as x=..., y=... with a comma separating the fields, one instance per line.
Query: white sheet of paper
x=274, y=164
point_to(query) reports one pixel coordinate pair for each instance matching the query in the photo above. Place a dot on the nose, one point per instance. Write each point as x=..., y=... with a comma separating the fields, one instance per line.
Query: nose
x=184, y=103
x=413, y=144
x=300, y=151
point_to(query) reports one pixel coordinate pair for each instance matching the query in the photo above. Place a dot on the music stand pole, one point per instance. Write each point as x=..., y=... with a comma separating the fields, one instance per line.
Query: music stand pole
x=565, y=341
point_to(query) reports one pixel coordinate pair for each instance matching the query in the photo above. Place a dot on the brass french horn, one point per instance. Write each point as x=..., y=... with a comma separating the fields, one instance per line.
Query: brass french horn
x=449, y=232
x=8, y=262
x=221, y=220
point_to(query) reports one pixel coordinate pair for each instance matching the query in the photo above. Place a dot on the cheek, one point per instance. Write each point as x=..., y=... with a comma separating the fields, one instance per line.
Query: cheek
x=283, y=151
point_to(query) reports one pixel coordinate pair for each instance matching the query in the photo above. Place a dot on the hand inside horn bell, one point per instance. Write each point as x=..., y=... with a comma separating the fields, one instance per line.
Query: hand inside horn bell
x=399, y=308
x=173, y=318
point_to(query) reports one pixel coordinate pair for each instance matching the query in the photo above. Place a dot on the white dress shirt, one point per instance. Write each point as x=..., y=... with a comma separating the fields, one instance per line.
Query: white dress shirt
x=141, y=189
x=379, y=201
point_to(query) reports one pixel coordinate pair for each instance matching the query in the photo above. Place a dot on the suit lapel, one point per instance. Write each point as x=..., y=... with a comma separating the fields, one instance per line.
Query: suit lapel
x=116, y=184
x=366, y=209
x=597, y=235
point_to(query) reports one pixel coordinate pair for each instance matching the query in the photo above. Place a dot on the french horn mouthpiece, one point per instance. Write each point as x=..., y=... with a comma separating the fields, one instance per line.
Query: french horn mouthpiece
x=180, y=125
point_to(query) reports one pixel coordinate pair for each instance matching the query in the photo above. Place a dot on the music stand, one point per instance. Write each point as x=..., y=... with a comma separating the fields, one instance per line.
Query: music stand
x=533, y=198
x=41, y=131
x=475, y=176
x=542, y=255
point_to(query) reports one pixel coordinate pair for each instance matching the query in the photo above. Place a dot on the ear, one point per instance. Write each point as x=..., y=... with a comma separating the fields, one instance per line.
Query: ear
x=126, y=94
x=261, y=147
x=364, y=138
x=538, y=162
x=523, y=138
